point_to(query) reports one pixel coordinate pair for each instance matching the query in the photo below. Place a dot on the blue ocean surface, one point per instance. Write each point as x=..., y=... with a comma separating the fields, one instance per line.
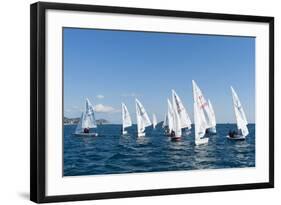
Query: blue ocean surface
x=111, y=153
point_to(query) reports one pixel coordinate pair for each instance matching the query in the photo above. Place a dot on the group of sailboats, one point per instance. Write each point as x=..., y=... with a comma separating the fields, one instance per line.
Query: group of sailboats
x=176, y=121
x=177, y=118
x=143, y=120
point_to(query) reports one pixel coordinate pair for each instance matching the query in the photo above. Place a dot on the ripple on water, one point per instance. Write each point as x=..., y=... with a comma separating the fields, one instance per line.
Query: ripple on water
x=110, y=153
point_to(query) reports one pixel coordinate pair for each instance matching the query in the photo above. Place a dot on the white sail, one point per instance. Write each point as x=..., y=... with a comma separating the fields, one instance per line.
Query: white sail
x=202, y=104
x=170, y=117
x=154, y=121
x=165, y=122
x=239, y=114
x=212, y=114
x=199, y=124
x=140, y=124
x=143, y=114
x=182, y=112
x=87, y=119
x=79, y=125
x=89, y=116
x=199, y=115
x=142, y=118
x=177, y=123
x=126, y=118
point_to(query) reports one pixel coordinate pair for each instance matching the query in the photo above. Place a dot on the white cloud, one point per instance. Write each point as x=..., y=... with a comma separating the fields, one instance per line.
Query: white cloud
x=73, y=110
x=131, y=95
x=104, y=108
x=100, y=96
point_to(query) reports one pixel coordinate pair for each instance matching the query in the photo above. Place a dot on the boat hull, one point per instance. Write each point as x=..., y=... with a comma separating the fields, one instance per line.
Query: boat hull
x=86, y=134
x=212, y=130
x=236, y=137
x=202, y=141
x=176, y=138
x=141, y=134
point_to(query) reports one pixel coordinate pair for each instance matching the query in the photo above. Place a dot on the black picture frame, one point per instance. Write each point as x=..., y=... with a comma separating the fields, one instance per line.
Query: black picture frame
x=38, y=103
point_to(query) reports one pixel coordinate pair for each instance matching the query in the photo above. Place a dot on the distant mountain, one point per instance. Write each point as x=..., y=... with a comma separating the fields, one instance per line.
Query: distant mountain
x=102, y=121
x=67, y=120
x=71, y=121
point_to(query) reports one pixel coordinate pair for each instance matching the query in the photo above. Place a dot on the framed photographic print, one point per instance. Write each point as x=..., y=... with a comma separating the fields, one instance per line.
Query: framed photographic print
x=129, y=102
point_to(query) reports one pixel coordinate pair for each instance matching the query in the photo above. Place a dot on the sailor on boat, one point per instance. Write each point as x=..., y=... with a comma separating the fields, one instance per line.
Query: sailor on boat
x=173, y=134
x=231, y=133
x=86, y=130
x=174, y=137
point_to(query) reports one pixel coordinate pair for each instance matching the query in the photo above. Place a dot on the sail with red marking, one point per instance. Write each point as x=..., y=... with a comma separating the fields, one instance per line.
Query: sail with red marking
x=185, y=121
x=201, y=109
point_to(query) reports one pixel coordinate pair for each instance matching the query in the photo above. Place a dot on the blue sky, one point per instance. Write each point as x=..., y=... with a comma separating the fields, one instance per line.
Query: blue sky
x=110, y=67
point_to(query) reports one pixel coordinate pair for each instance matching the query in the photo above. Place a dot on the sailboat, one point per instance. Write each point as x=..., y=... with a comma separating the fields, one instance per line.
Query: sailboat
x=143, y=120
x=212, y=117
x=240, y=118
x=174, y=122
x=177, y=122
x=201, y=109
x=126, y=119
x=154, y=121
x=87, y=121
x=185, y=121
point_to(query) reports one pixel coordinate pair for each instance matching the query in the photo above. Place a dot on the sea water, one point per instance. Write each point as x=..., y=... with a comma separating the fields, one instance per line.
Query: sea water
x=112, y=153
